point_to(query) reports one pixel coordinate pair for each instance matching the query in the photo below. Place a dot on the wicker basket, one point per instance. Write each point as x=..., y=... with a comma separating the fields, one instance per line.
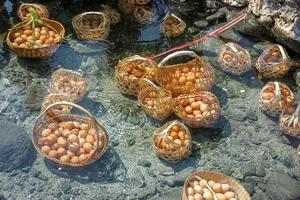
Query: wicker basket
x=139, y=2
x=275, y=97
x=172, y=148
x=172, y=26
x=54, y=98
x=70, y=83
x=143, y=14
x=289, y=121
x=114, y=16
x=126, y=7
x=91, y=25
x=187, y=77
x=54, y=124
x=234, y=59
x=38, y=52
x=130, y=70
x=155, y=101
x=24, y=13
x=197, y=110
x=218, y=177
x=274, y=62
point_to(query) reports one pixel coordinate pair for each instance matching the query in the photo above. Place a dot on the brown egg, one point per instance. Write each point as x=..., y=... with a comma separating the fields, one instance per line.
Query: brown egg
x=17, y=34
x=100, y=144
x=217, y=187
x=181, y=135
x=83, y=133
x=43, y=38
x=90, y=139
x=37, y=29
x=52, y=34
x=75, y=131
x=69, y=125
x=53, y=126
x=229, y=195
x=177, y=141
x=73, y=138
x=74, y=147
x=203, y=183
x=19, y=40
x=45, y=149
x=92, y=132
x=53, y=153
x=226, y=187
x=41, y=141
x=88, y=147
x=75, y=159
x=62, y=142
x=65, y=159
x=188, y=109
x=84, y=126
x=182, y=80
x=45, y=28
x=46, y=132
x=28, y=32
x=49, y=41
x=207, y=195
x=66, y=133
x=76, y=125
x=44, y=32
x=54, y=146
x=221, y=196
x=203, y=107
x=174, y=135
x=83, y=157
x=61, y=151
x=70, y=153
x=52, y=138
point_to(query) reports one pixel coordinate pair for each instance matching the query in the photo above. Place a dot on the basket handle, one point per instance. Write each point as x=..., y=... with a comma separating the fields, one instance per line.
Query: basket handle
x=232, y=46
x=151, y=83
x=173, y=15
x=282, y=51
x=175, y=54
x=93, y=119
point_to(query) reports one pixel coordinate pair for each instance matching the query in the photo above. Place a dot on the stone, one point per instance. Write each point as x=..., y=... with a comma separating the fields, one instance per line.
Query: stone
x=281, y=186
x=238, y=174
x=249, y=187
x=144, y=163
x=259, y=195
x=248, y=169
x=260, y=171
x=220, y=14
x=15, y=147
x=65, y=186
x=251, y=115
x=201, y=23
x=181, y=175
x=236, y=3
x=237, y=116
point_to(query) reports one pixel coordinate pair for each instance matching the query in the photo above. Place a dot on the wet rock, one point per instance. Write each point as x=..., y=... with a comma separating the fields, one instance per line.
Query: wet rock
x=236, y=3
x=259, y=195
x=281, y=186
x=260, y=171
x=182, y=175
x=251, y=115
x=238, y=174
x=144, y=163
x=166, y=171
x=248, y=170
x=15, y=146
x=218, y=15
x=201, y=23
x=237, y=116
x=65, y=186
x=249, y=187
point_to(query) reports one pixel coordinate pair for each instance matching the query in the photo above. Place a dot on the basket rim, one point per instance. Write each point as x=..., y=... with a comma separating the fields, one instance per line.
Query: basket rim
x=33, y=5
x=241, y=188
x=80, y=15
x=10, y=43
x=56, y=161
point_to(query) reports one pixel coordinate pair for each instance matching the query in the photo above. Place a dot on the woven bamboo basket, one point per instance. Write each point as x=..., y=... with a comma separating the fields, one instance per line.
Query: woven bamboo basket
x=91, y=25
x=186, y=77
x=139, y=2
x=143, y=14
x=234, y=59
x=172, y=142
x=196, y=177
x=24, y=11
x=70, y=83
x=173, y=26
x=275, y=97
x=114, y=16
x=289, y=121
x=54, y=98
x=130, y=70
x=201, y=109
x=154, y=100
x=126, y=7
x=54, y=131
x=38, y=51
x=274, y=62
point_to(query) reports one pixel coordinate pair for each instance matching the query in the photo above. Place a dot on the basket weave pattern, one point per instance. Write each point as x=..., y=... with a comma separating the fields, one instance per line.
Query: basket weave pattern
x=143, y=14
x=289, y=121
x=173, y=26
x=41, y=11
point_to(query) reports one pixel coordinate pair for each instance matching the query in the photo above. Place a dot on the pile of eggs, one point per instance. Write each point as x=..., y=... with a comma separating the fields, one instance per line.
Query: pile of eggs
x=91, y=24
x=153, y=99
x=269, y=93
x=171, y=23
x=198, y=190
x=229, y=56
x=176, y=134
x=135, y=71
x=274, y=56
x=41, y=37
x=67, y=84
x=70, y=142
x=198, y=107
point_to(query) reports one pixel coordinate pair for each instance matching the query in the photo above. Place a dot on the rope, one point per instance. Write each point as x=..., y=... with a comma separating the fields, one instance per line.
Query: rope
x=201, y=39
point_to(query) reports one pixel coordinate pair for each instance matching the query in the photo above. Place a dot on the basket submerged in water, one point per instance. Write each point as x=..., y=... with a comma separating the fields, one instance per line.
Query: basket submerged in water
x=201, y=109
x=289, y=121
x=68, y=139
x=143, y=14
x=173, y=26
x=24, y=11
x=200, y=183
x=172, y=142
x=234, y=59
x=54, y=98
x=114, y=16
x=70, y=83
x=275, y=97
x=126, y=7
x=186, y=77
x=91, y=25
x=130, y=70
x=154, y=100
x=274, y=62
x=37, y=50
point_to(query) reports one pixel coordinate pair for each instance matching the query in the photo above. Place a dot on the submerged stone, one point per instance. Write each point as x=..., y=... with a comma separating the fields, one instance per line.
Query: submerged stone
x=15, y=146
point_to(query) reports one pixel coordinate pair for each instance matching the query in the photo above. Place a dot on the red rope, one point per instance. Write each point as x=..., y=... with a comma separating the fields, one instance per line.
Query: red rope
x=209, y=35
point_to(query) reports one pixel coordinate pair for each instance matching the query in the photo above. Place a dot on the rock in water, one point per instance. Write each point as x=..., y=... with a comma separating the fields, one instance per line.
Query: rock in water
x=281, y=186
x=280, y=19
x=15, y=146
x=236, y=3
